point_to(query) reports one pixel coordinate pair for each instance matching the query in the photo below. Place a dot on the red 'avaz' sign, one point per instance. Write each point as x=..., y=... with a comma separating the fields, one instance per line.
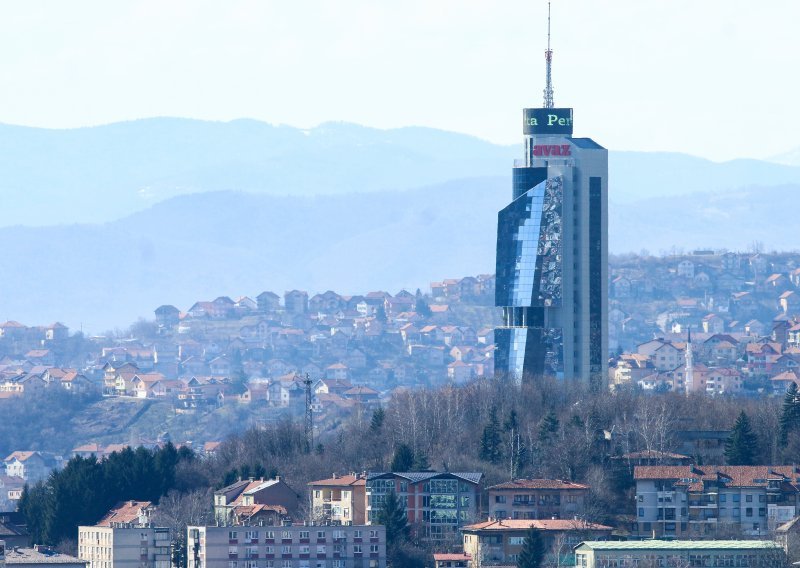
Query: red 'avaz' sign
x=551, y=150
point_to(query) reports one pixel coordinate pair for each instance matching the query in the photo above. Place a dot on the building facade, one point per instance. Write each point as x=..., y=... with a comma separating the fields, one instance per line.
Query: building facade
x=340, y=499
x=291, y=546
x=121, y=546
x=714, y=501
x=552, y=256
x=537, y=499
x=436, y=504
x=499, y=542
x=624, y=554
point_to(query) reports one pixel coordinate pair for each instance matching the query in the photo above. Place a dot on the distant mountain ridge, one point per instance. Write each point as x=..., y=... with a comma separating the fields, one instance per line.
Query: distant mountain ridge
x=103, y=173
x=201, y=246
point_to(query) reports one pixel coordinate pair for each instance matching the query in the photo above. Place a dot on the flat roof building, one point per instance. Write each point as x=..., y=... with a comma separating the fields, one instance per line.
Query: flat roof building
x=624, y=554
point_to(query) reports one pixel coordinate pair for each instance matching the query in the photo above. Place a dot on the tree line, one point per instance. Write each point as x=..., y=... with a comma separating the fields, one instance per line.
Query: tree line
x=87, y=488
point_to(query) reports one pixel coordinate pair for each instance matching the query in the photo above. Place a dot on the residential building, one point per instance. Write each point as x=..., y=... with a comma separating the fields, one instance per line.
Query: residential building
x=623, y=554
x=552, y=255
x=451, y=560
x=38, y=557
x=288, y=546
x=340, y=499
x=499, y=542
x=708, y=501
x=537, y=499
x=237, y=499
x=30, y=465
x=128, y=513
x=437, y=503
x=124, y=545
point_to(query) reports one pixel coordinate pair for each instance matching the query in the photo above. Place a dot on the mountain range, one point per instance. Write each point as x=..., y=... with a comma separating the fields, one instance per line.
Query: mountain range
x=99, y=226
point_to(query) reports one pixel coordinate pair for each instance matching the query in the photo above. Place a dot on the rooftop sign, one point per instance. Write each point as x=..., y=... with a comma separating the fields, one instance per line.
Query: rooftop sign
x=547, y=121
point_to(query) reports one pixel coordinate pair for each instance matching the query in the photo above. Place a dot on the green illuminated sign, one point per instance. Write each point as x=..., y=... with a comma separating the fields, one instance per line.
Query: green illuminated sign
x=547, y=121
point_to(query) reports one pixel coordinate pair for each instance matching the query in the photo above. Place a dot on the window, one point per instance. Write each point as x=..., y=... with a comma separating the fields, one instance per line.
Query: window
x=321, y=549
x=373, y=534
x=321, y=534
x=737, y=498
x=723, y=497
x=516, y=540
x=270, y=534
x=499, y=498
x=233, y=535
x=373, y=549
x=762, y=512
x=286, y=549
x=762, y=498
x=304, y=535
x=305, y=549
x=356, y=549
x=641, y=511
x=270, y=550
x=357, y=534
x=748, y=498
x=287, y=535
x=748, y=512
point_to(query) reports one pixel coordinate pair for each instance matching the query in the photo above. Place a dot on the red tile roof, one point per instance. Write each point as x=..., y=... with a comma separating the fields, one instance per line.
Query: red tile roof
x=124, y=512
x=539, y=484
x=341, y=481
x=541, y=524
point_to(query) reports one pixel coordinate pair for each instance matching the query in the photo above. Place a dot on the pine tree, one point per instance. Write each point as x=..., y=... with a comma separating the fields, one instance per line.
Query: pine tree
x=392, y=515
x=548, y=427
x=403, y=459
x=420, y=461
x=491, y=443
x=378, y=417
x=742, y=446
x=532, y=553
x=790, y=414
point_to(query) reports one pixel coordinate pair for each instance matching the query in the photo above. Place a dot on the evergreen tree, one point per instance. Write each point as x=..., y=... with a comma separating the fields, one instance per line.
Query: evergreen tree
x=378, y=417
x=742, y=446
x=423, y=308
x=420, y=461
x=403, y=459
x=491, y=443
x=392, y=515
x=532, y=553
x=790, y=414
x=549, y=427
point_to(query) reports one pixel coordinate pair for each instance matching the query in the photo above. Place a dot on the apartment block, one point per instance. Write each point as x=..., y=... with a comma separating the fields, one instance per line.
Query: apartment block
x=121, y=546
x=714, y=501
x=602, y=554
x=437, y=503
x=340, y=499
x=537, y=499
x=290, y=546
x=499, y=542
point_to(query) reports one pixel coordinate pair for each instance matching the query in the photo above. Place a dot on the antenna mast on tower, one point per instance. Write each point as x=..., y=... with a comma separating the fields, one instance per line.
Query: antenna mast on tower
x=548, y=57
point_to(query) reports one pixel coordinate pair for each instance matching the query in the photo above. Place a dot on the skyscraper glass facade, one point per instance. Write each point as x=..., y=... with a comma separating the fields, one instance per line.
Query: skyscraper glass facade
x=552, y=256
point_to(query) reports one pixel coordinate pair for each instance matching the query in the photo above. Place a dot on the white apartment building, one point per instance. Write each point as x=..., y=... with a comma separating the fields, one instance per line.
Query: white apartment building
x=293, y=546
x=124, y=545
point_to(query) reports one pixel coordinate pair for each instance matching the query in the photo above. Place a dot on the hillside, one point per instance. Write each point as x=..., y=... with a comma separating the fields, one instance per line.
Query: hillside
x=232, y=243
x=103, y=173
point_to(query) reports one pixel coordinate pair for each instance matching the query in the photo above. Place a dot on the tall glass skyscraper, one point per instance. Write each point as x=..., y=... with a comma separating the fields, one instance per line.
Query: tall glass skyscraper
x=552, y=256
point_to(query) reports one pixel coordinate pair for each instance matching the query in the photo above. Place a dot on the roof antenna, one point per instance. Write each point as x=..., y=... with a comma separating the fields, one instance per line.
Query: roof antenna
x=548, y=57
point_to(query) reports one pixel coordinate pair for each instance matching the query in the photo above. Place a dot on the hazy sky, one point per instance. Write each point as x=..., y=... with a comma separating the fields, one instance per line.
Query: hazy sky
x=716, y=78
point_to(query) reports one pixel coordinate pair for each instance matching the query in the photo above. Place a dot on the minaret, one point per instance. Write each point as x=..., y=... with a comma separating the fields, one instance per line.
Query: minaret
x=689, y=372
x=548, y=57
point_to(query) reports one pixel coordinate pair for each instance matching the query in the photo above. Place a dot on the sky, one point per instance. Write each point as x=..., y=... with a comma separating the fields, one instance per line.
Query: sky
x=713, y=78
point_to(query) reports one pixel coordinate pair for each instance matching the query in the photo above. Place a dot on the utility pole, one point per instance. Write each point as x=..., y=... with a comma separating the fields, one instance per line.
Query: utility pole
x=309, y=418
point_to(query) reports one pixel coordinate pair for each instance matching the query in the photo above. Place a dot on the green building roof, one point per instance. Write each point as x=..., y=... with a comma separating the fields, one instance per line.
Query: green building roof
x=678, y=544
